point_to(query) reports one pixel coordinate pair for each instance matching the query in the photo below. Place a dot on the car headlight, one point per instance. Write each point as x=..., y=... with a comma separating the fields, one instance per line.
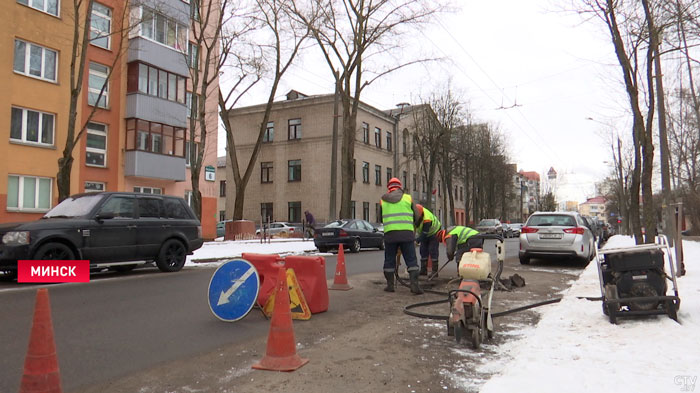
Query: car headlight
x=16, y=238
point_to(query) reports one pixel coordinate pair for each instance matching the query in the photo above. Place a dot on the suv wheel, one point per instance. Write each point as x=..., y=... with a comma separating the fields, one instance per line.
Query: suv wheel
x=54, y=251
x=172, y=256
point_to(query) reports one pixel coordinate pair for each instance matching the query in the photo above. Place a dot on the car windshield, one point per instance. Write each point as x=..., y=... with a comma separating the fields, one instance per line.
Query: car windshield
x=78, y=206
x=336, y=224
x=487, y=223
x=552, y=220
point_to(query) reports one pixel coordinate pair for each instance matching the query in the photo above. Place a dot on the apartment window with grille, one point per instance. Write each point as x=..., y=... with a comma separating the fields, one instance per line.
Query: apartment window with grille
x=28, y=126
x=378, y=175
x=28, y=193
x=365, y=172
x=149, y=190
x=269, y=135
x=294, y=170
x=35, y=61
x=266, y=211
x=388, y=141
x=294, y=130
x=389, y=175
x=294, y=209
x=365, y=211
x=378, y=137
x=266, y=172
x=96, y=148
x=100, y=25
x=48, y=6
x=222, y=188
x=94, y=186
x=365, y=133
x=98, y=85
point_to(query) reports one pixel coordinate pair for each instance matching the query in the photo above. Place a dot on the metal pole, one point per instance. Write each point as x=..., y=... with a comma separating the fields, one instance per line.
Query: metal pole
x=680, y=266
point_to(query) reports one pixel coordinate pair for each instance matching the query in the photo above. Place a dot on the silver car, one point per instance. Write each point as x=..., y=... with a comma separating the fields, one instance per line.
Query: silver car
x=556, y=235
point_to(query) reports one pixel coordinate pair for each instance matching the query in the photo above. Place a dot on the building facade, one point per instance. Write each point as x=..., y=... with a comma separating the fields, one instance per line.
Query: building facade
x=132, y=125
x=293, y=170
x=594, y=207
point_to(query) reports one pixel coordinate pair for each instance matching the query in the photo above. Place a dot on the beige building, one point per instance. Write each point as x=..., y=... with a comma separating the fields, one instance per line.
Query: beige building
x=293, y=170
x=594, y=207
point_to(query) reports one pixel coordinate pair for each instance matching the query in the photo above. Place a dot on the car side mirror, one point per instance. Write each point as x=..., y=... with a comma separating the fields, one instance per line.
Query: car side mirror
x=104, y=216
x=375, y=230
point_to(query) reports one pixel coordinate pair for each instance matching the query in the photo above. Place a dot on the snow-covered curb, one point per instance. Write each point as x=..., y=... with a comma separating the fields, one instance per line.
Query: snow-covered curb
x=218, y=251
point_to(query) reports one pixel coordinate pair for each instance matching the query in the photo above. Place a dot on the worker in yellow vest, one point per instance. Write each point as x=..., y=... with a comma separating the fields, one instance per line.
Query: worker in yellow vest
x=458, y=240
x=429, y=245
x=400, y=217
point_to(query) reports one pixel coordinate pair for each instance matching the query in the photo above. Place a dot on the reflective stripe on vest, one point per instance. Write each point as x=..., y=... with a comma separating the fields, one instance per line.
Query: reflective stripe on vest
x=463, y=234
x=398, y=216
x=435, y=223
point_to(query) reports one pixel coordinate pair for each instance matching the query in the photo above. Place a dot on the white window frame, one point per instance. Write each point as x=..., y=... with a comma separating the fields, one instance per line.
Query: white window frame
x=95, y=150
x=40, y=134
x=20, y=194
x=105, y=94
x=188, y=197
x=95, y=186
x=178, y=28
x=98, y=33
x=27, y=59
x=44, y=9
x=148, y=190
x=192, y=55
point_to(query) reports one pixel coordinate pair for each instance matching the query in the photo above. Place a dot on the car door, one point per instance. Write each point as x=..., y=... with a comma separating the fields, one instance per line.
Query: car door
x=373, y=235
x=151, y=229
x=113, y=236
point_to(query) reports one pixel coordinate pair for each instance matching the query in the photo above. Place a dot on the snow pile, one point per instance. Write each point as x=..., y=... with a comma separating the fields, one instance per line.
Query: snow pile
x=575, y=348
x=217, y=252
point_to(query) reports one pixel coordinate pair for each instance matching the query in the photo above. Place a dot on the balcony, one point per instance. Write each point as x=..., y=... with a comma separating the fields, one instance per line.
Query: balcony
x=157, y=166
x=159, y=110
x=161, y=56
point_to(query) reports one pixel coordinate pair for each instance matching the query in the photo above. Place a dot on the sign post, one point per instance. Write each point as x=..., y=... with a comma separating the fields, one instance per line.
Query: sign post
x=233, y=290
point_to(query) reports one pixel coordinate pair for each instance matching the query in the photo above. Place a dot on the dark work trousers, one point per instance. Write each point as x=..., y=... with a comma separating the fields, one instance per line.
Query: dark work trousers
x=408, y=250
x=429, y=246
x=464, y=247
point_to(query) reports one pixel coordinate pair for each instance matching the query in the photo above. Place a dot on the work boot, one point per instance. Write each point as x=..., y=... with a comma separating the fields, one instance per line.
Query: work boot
x=389, y=281
x=435, y=270
x=423, y=267
x=415, y=289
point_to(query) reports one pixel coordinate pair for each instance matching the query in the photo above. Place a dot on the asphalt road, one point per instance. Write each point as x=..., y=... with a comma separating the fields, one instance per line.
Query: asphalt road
x=119, y=324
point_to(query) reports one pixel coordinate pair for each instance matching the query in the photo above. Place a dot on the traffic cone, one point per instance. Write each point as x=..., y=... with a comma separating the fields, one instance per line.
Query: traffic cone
x=41, y=364
x=281, y=354
x=340, y=282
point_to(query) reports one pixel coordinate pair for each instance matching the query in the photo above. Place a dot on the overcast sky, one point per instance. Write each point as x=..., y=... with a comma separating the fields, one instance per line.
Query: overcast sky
x=552, y=69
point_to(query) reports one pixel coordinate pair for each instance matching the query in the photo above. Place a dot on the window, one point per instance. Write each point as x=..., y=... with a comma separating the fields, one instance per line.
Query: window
x=222, y=188
x=156, y=138
x=365, y=172
x=365, y=211
x=438, y=188
x=191, y=101
x=266, y=211
x=378, y=175
x=193, y=55
x=405, y=180
x=352, y=209
x=461, y=193
x=194, y=9
x=100, y=25
x=378, y=212
x=269, y=135
x=222, y=215
x=294, y=170
x=161, y=29
x=414, y=182
x=30, y=126
x=378, y=137
x=404, y=142
x=98, y=85
x=294, y=209
x=149, y=207
x=389, y=175
x=188, y=197
x=354, y=165
x=365, y=133
x=28, y=193
x=187, y=151
x=266, y=172
x=388, y=141
x=35, y=61
x=94, y=186
x=155, y=82
x=48, y=6
x=120, y=206
x=96, y=149
x=294, y=131
x=148, y=190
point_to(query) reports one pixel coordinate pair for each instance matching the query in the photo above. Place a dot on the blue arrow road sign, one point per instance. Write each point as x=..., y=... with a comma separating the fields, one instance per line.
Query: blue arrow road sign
x=233, y=289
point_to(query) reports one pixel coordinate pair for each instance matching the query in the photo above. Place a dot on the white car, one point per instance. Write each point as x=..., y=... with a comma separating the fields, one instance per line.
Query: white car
x=556, y=235
x=279, y=229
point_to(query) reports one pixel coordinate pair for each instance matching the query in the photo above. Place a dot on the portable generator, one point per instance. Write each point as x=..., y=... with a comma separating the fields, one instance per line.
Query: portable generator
x=633, y=281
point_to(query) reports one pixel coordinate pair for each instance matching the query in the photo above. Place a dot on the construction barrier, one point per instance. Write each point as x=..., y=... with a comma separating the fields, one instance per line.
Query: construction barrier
x=265, y=264
x=311, y=274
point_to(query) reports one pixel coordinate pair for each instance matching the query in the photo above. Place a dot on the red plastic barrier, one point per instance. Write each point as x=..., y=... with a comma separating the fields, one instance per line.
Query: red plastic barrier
x=268, y=273
x=311, y=274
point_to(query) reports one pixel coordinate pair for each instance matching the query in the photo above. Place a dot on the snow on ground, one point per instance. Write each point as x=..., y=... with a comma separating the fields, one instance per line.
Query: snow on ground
x=574, y=348
x=219, y=251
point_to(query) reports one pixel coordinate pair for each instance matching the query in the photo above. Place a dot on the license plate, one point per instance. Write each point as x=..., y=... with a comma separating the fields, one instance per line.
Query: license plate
x=550, y=236
x=328, y=233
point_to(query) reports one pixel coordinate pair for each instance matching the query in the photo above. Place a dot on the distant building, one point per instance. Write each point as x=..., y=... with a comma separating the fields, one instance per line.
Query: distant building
x=531, y=192
x=570, y=206
x=594, y=207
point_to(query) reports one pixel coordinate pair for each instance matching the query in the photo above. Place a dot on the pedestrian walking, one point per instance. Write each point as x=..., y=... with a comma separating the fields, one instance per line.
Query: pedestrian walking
x=400, y=217
x=429, y=244
x=458, y=240
x=310, y=224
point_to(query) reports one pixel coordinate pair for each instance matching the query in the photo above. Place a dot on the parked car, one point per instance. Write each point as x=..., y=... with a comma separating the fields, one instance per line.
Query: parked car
x=516, y=227
x=353, y=234
x=108, y=229
x=507, y=230
x=490, y=225
x=556, y=235
x=221, y=228
x=281, y=229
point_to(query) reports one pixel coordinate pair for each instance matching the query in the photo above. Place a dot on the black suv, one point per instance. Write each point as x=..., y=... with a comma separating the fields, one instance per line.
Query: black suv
x=108, y=229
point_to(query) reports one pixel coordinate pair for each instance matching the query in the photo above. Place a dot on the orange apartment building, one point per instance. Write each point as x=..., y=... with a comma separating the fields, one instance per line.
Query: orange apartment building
x=141, y=58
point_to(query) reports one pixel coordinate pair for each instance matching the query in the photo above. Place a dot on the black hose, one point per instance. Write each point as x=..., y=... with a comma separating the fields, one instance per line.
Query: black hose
x=445, y=317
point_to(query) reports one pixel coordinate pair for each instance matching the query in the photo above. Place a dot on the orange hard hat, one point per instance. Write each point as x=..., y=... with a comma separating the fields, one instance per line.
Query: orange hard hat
x=420, y=209
x=393, y=184
x=440, y=235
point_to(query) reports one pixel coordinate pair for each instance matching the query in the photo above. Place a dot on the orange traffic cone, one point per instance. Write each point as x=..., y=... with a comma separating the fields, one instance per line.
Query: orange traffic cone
x=281, y=354
x=41, y=364
x=340, y=282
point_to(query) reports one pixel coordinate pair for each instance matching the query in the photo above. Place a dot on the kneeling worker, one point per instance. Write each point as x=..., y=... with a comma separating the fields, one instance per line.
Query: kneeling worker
x=458, y=240
x=429, y=244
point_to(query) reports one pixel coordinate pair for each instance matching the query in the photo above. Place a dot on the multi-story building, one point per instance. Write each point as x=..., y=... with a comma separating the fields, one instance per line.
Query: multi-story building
x=532, y=190
x=133, y=105
x=293, y=170
x=594, y=207
x=221, y=179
